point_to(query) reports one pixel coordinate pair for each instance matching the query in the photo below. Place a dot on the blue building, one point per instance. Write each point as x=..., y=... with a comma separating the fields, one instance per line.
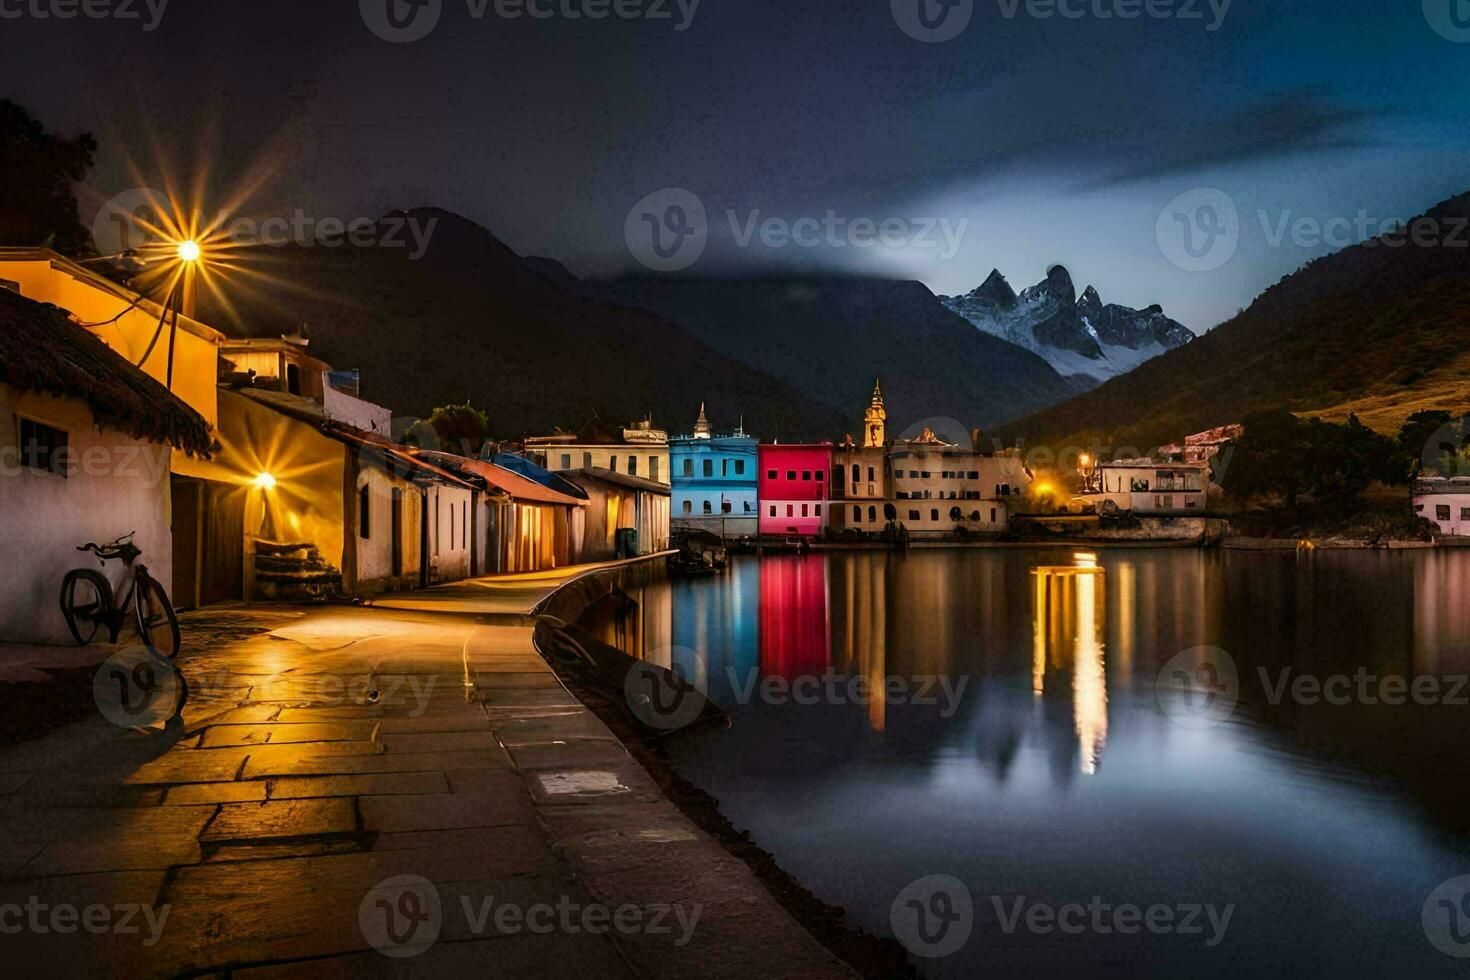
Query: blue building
x=714, y=481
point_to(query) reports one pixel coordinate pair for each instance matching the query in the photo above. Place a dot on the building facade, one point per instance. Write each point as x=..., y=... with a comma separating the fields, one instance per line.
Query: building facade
x=638, y=450
x=942, y=489
x=792, y=488
x=1445, y=503
x=714, y=480
x=1143, y=486
x=859, y=485
x=625, y=517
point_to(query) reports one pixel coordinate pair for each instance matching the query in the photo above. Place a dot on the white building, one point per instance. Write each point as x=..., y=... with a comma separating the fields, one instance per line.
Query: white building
x=86, y=442
x=638, y=450
x=1445, y=502
x=938, y=488
x=1143, y=486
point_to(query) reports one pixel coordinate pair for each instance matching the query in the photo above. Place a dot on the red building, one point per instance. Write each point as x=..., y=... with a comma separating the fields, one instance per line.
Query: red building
x=793, y=489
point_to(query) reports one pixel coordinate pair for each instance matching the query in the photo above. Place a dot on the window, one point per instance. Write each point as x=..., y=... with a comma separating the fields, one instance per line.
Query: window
x=632, y=465
x=688, y=506
x=566, y=461
x=819, y=510
x=790, y=510
x=821, y=476
x=436, y=525
x=688, y=467
x=724, y=467
x=1442, y=512
x=872, y=515
x=708, y=507
x=974, y=475
x=750, y=507
x=364, y=520
x=773, y=510
x=857, y=474
x=934, y=515
x=740, y=467
x=653, y=468
x=1465, y=513
x=913, y=515
x=464, y=524
x=925, y=474
x=586, y=461
x=709, y=467
x=870, y=474
x=612, y=462
x=726, y=506
x=806, y=475
x=992, y=515
x=770, y=474
x=791, y=474
x=43, y=448
x=451, y=525
x=857, y=515
x=837, y=477
x=804, y=508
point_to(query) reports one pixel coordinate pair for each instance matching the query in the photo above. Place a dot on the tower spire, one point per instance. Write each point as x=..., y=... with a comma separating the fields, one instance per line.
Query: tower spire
x=702, y=428
x=874, y=419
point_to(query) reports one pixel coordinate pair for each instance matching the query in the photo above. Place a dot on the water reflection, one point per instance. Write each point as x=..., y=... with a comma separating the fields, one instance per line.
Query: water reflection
x=1058, y=775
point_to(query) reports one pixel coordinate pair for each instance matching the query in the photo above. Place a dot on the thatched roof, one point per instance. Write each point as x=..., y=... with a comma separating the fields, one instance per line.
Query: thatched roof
x=42, y=350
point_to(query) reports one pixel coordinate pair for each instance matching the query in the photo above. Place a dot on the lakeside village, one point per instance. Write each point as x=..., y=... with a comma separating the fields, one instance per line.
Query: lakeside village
x=249, y=469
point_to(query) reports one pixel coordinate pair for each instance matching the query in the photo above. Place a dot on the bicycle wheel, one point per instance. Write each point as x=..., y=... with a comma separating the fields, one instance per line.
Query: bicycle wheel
x=158, y=624
x=86, y=600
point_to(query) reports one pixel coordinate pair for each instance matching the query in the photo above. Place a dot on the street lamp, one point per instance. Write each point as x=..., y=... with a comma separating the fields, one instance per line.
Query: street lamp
x=188, y=251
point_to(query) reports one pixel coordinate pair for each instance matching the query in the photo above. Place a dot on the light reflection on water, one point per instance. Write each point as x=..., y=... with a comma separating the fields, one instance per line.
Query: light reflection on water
x=1057, y=776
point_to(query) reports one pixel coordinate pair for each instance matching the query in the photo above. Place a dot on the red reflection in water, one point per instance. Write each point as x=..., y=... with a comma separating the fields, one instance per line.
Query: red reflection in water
x=794, y=617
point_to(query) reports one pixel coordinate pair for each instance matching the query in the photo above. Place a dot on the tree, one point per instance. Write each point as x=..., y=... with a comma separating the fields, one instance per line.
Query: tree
x=1282, y=454
x=1434, y=440
x=38, y=171
x=461, y=429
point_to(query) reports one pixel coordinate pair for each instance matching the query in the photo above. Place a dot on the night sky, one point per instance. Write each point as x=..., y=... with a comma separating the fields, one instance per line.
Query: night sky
x=1056, y=139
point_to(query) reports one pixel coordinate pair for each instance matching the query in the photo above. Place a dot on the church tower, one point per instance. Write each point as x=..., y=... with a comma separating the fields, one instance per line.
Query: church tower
x=702, y=428
x=873, y=421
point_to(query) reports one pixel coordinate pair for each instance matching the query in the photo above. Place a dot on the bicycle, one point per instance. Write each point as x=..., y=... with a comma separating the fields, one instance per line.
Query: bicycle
x=87, y=600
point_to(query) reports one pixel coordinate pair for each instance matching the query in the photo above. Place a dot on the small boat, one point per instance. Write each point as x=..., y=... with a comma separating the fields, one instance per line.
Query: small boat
x=698, y=553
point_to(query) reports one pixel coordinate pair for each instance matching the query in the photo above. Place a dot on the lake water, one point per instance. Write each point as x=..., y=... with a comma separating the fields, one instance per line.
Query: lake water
x=1029, y=751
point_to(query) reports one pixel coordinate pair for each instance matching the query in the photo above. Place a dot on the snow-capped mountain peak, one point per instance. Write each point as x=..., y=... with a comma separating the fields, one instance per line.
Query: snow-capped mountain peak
x=1077, y=335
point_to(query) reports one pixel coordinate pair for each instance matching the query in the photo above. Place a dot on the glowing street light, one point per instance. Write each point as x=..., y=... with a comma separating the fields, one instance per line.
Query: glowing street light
x=189, y=251
x=264, y=481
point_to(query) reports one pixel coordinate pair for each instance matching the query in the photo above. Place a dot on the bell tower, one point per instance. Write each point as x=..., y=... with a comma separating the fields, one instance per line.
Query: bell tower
x=873, y=421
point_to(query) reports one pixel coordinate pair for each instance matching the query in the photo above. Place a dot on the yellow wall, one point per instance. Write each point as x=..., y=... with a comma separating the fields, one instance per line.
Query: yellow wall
x=196, y=347
x=305, y=505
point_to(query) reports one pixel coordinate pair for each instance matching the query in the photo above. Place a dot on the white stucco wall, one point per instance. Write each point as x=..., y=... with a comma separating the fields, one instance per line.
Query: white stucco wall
x=375, y=552
x=116, y=484
x=449, y=542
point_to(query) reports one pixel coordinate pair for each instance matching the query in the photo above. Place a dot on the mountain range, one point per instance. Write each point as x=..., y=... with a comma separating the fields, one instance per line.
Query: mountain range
x=1379, y=330
x=1080, y=337
x=537, y=347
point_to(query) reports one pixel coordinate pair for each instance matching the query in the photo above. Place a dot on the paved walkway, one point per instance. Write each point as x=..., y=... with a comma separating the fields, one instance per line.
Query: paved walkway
x=371, y=791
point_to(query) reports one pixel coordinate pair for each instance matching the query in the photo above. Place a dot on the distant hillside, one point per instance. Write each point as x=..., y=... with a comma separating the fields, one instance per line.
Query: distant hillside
x=520, y=338
x=1382, y=327
x=831, y=336
x=537, y=347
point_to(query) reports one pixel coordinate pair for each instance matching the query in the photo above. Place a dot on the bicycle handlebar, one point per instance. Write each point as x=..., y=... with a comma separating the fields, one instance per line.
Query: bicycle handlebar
x=123, y=548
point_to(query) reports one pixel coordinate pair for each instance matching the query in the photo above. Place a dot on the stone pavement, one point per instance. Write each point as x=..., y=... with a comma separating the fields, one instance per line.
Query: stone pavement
x=370, y=791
